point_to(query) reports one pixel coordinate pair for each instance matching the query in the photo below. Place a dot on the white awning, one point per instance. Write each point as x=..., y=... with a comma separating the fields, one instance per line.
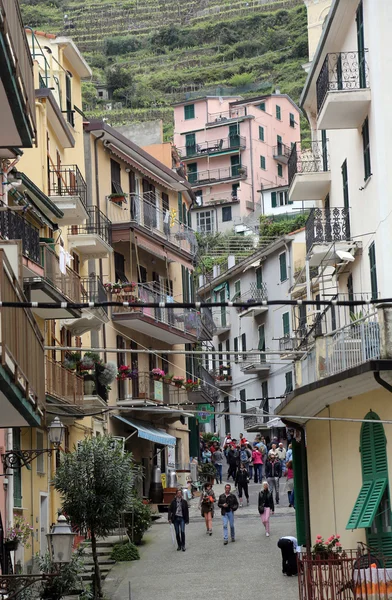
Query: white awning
x=147, y=432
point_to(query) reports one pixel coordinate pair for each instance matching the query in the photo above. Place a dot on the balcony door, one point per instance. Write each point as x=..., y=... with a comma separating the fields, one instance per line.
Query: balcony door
x=192, y=172
x=190, y=144
x=149, y=205
x=361, y=46
x=234, y=138
x=222, y=298
x=235, y=163
x=262, y=342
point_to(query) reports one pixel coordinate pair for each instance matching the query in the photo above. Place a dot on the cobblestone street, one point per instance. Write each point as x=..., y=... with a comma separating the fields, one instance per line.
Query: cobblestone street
x=250, y=565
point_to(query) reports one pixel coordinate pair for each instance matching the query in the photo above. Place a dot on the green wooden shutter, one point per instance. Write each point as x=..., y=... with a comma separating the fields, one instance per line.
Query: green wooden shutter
x=361, y=46
x=278, y=112
x=262, y=106
x=243, y=400
x=262, y=162
x=179, y=210
x=273, y=199
x=286, y=324
x=292, y=120
x=189, y=111
x=280, y=171
x=373, y=271
x=289, y=382
x=192, y=173
x=283, y=266
x=300, y=489
x=359, y=504
x=194, y=439
x=243, y=345
x=190, y=144
x=261, y=338
x=366, y=149
x=259, y=278
x=373, y=501
x=236, y=350
x=261, y=133
x=184, y=215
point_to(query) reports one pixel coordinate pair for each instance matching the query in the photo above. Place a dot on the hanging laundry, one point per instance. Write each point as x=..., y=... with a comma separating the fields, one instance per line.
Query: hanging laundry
x=63, y=261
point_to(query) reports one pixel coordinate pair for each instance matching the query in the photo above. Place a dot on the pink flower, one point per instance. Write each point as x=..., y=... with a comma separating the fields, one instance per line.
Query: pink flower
x=338, y=537
x=319, y=537
x=338, y=545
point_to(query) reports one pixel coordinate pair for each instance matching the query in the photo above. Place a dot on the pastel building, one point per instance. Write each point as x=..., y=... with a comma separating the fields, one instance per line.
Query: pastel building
x=232, y=148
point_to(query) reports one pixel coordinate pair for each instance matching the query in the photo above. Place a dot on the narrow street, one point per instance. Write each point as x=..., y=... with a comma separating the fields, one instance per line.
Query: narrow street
x=252, y=563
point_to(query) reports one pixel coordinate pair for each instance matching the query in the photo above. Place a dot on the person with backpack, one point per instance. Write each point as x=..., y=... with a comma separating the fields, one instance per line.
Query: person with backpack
x=206, y=506
x=266, y=506
x=241, y=482
x=245, y=456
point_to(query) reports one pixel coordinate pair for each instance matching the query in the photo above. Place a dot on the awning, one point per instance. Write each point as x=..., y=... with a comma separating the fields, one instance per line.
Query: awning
x=367, y=503
x=147, y=432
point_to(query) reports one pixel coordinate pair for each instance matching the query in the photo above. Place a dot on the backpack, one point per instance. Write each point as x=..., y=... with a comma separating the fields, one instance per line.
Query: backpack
x=244, y=456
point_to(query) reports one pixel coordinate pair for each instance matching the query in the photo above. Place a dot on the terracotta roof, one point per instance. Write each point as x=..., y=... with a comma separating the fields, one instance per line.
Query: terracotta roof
x=50, y=36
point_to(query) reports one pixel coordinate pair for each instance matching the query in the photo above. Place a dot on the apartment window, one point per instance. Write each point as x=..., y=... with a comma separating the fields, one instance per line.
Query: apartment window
x=220, y=355
x=350, y=288
x=273, y=200
x=236, y=350
x=283, y=266
x=205, y=221
x=226, y=214
x=261, y=133
x=291, y=120
x=234, y=191
x=237, y=290
x=286, y=324
x=68, y=100
x=366, y=148
x=278, y=113
x=265, y=400
x=280, y=171
x=345, y=185
x=289, y=382
x=373, y=271
x=243, y=345
x=190, y=144
x=243, y=400
x=261, y=345
x=115, y=173
x=262, y=106
x=189, y=112
x=259, y=278
x=262, y=162
x=192, y=173
x=199, y=197
x=40, y=459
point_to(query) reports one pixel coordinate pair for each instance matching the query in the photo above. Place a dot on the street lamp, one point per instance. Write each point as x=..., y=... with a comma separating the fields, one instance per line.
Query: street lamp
x=15, y=459
x=60, y=541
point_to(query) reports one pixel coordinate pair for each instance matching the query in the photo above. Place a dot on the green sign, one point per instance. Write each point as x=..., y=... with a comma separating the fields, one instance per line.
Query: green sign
x=205, y=413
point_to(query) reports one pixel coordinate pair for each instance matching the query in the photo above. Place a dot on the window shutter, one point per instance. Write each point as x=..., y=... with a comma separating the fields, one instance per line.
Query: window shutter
x=243, y=345
x=373, y=270
x=273, y=199
x=262, y=162
x=261, y=338
x=184, y=215
x=286, y=324
x=261, y=133
x=259, y=278
x=236, y=350
x=300, y=488
x=179, y=210
x=283, y=266
x=243, y=400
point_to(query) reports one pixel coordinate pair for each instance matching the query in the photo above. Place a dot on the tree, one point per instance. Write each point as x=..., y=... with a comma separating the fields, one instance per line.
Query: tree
x=96, y=482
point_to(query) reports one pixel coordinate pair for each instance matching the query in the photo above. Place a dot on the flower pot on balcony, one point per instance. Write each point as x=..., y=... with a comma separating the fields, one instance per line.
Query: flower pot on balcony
x=11, y=545
x=117, y=198
x=89, y=385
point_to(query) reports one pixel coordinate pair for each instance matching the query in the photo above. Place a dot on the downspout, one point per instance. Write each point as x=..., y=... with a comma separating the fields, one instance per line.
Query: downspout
x=382, y=382
x=97, y=139
x=251, y=163
x=288, y=250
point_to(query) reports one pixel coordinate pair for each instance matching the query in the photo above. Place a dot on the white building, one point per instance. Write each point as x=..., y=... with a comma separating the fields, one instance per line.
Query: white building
x=254, y=383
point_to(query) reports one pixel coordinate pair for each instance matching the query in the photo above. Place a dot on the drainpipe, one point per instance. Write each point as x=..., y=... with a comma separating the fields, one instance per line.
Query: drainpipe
x=9, y=516
x=97, y=139
x=251, y=164
x=288, y=250
x=382, y=382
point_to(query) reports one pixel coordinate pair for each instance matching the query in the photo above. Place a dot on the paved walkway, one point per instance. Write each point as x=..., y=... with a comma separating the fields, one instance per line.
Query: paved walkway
x=250, y=567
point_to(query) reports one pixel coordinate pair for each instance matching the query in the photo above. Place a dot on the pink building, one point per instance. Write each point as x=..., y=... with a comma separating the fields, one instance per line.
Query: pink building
x=233, y=148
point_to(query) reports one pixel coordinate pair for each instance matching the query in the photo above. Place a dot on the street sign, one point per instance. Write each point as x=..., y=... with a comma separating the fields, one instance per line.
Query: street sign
x=203, y=413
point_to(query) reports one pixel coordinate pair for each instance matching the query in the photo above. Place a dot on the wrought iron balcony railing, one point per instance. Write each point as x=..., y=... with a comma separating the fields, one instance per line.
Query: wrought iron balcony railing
x=97, y=223
x=342, y=71
x=15, y=227
x=310, y=157
x=325, y=225
x=213, y=175
x=288, y=343
x=67, y=181
x=233, y=142
x=282, y=151
x=226, y=115
x=162, y=223
x=93, y=290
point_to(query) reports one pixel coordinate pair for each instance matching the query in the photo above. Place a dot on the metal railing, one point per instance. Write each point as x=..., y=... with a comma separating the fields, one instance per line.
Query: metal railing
x=162, y=223
x=68, y=283
x=93, y=290
x=67, y=181
x=184, y=319
x=311, y=157
x=344, y=576
x=21, y=342
x=233, y=142
x=63, y=383
x=207, y=324
x=326, y=225
x=342, y=71
x=13, y=31
x=282, y=151
x=96, y=223
x=289, y=343
x=254, y=294
x=226, y=115
x=254, y=416
x=352, y=345
x=247, y=360
x=206, y=391
x=226, y=173
x=142, y=386
x=15, y=227
x=221, y=318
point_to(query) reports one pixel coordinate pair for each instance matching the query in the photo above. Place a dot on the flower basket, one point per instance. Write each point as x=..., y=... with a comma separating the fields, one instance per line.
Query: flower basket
x=128, y=287
x=11, y=545
x=178, y=381
x=117, y=198
x=167, y=378
x=157, y=374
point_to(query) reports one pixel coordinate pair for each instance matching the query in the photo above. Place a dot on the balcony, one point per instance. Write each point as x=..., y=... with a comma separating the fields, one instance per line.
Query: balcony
x=55, y=285
x=213, y=147
x=169, y=325
x=255, y=364
x=254, y=294
x=343, y=91
x=206, y=327
x=17, y=81
x=161, y=225
x=22, y=373
x=255, y=420
x=224, y=117
x=290, y=346
x=15, y=227
x=143, y=390
x=63, y=387
x=222, y=321
x=223, y=377
x=210, y=177
x=327, y=225
x=282, y=153
x=68, y=190
x=308, y=170
x=206, y=392
x=92, y=239
x=91, y=319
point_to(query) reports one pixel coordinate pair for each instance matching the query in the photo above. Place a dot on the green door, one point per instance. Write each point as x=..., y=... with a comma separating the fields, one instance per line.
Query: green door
x=361, y=46
x=192, y=172
x=262, y=343
x=190, y=144
x=259, y=278
x=234, y=138
x=235, y=162
x=222, y=298
x=279, y=144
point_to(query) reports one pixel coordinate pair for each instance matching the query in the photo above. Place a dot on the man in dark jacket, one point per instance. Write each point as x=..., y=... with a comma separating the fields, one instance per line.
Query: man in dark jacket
x=273, y=472
x=241, y=481
x=232, y=459
x=228, y=504
x=179, y=516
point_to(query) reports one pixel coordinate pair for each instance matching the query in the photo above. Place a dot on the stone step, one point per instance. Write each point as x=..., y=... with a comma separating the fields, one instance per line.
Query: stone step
x=103, y=559
x=102, y=568
x=89, y=577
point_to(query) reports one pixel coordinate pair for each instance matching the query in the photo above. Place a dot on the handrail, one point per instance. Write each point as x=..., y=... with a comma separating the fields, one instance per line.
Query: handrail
x=63, y=383
x=212, y=146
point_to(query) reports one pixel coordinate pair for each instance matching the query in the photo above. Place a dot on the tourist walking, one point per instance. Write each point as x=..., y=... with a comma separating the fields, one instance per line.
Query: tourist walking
x=289, y=481
x=257, y=458
x=217, y=459
x=232, y=457
x=266, y=506
x=228, y=504
x=289, y=453
x=206, y=455
x=206, y=505
x=245, y=456
x=241, y=481
x=273, y=473
x=179, y=516
x=250, y=463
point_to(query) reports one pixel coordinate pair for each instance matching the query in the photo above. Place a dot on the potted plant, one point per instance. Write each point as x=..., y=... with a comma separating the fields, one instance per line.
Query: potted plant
x=108, y=287
x=18, y=533
x=178, y=381
x=117, y=198
x=129, y=286
x=157, y=374
x=116, y=287
x=168, y=378
x=191, y=385
x=323, y=550
x=207, y=472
